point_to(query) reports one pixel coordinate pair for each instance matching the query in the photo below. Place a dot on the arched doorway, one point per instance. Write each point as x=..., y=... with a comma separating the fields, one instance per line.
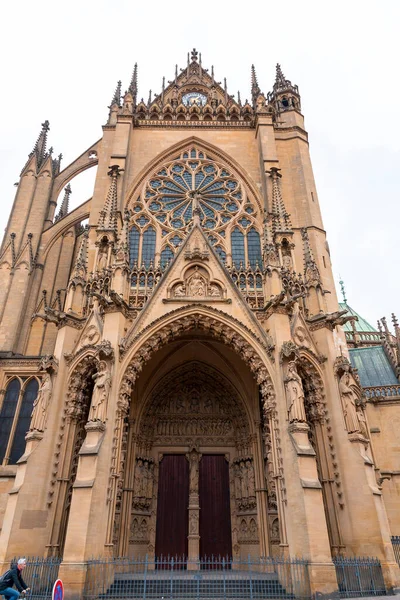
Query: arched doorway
x=194, y=481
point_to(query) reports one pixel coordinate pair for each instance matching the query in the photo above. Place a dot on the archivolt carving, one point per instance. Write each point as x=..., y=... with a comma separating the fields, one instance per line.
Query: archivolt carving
x=78, y=385
x=214, y=328
x=194, y=402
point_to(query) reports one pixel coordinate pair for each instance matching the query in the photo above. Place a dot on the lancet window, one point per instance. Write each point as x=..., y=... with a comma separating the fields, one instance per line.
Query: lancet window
x=15, y=416
x=162, y=214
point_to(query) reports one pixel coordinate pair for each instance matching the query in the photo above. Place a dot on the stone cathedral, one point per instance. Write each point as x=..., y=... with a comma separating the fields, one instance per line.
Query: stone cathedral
x=177, y=375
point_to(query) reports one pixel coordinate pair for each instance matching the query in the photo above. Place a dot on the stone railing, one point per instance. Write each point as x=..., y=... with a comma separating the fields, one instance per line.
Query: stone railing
x=381, y=392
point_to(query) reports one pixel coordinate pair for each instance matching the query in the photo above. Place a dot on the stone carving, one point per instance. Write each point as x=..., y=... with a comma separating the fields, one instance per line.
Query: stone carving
x=139, y=533
x=194, y=402
x=193, y=523
x=196, y=285
x=244, y=484
x=102, y=262
x=102, y=379
x=349, y=393
x=143, y=483
x=41, y=404
x=194, y=459
x=179, y=291
x=248, y=531
x=294, y=395
x=275, y=537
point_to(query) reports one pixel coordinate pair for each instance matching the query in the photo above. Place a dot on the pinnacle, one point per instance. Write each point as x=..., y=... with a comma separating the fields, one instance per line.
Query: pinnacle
x=133, y=84
x=116, y=99
x=65, y=203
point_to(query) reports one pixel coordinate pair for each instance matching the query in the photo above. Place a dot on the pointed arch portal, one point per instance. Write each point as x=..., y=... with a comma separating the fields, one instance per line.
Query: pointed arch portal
x=194, y=456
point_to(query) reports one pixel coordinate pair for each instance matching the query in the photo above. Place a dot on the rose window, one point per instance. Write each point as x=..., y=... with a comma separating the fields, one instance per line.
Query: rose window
x=193, y=181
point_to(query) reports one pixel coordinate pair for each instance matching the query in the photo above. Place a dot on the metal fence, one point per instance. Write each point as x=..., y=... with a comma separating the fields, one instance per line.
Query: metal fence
x=40, y=575
x=169, y=578
x=359, y=577
x=396, y=547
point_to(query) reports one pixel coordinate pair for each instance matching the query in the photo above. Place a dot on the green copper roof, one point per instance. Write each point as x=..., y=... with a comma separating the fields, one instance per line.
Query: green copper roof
x=373, y=366
x=361, y=324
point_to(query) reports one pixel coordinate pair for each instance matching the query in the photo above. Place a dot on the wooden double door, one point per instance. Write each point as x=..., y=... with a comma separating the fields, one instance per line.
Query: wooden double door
x=173, y=500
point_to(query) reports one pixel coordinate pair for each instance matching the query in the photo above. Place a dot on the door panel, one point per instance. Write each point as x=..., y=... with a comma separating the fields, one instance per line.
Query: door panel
x=172, y=506
x=215, y=513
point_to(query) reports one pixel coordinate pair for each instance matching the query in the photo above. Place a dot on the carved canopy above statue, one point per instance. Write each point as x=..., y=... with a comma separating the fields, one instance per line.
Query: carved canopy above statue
x=194, y=404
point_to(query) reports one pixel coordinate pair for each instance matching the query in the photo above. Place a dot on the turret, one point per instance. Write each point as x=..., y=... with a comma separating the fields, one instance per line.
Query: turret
x=284, y=96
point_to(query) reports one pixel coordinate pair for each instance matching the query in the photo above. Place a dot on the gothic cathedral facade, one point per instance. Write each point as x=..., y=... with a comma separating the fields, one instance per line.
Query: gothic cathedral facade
x=175, y=376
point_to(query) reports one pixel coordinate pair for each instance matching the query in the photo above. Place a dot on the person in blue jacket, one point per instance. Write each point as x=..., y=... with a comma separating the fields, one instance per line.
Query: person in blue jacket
x=13, y=577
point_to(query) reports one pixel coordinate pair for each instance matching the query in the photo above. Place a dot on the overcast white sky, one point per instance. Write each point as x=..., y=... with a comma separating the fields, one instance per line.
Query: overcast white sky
x=61, y=61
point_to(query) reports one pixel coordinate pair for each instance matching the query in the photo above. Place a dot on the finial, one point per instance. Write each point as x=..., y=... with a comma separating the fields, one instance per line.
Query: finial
x=133, y=84
x=212, y=74
x=176, y=74
x=239, y=100
x=162, y=90
x=116, y=99
x=200, y=66
x=341, y=283
x=188, y=61
x=149, y=100
x=226, y=91
x=194, y=55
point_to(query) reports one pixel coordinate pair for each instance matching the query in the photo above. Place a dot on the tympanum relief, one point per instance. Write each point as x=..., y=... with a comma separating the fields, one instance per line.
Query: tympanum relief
x=197, y=285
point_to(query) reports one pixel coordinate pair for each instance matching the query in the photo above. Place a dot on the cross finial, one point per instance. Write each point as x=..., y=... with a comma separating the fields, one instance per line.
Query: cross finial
x=341, y=283
x=194, y=55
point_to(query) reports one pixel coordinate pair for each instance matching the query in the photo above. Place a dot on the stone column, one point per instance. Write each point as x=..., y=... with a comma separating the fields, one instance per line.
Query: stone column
x=193, y=510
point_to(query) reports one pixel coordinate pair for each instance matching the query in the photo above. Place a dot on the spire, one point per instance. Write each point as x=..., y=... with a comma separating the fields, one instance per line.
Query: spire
x=133, y=85
x=280, y=80
x=149, y=100
x=80, y=266
x=116, y=99
x=280, y=217
x=341, y=283
x=64, y=204
x=311, y=271
x=239, y=100
x=255, y=89
x=108, y=215
x=40, y=146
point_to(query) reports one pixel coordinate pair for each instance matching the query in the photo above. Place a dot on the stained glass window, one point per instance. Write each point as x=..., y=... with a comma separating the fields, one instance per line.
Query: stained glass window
x=134, y=238
x=254, y=248
x=24, y=419
x=166, y=256
x=149, y=246
x=237, y=241
x=7, y=414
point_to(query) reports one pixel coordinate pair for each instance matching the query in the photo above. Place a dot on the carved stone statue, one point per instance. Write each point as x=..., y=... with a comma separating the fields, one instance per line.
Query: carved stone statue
x=287, y=262
x=348, y=392
x=194, y=472
x=103, y=258
x=41, y=404
x=215, y=292
x=179, y=291
x=102, y=379
x=197, y=286
x=294, y=395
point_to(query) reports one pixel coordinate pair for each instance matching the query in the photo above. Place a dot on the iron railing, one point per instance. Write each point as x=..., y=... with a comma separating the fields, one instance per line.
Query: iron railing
x=40, y=575
x=396, y=547
x=180, y=578
x=359, y=577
